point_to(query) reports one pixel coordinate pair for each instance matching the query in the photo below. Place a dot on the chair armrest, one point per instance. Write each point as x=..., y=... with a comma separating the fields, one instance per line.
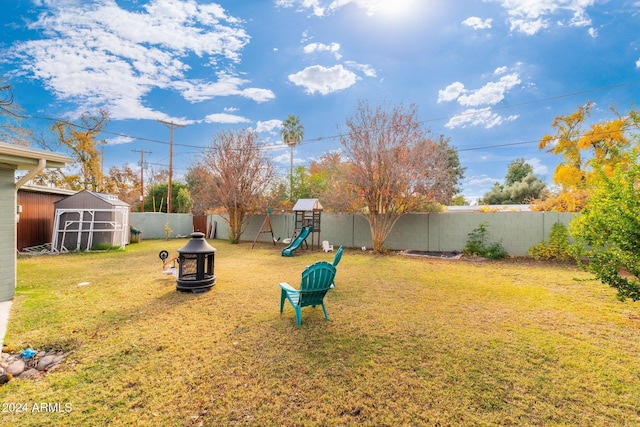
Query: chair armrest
x=287, y=287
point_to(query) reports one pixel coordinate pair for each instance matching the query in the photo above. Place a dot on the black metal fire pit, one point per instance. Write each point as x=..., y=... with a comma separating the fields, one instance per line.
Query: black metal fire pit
x=195, y=265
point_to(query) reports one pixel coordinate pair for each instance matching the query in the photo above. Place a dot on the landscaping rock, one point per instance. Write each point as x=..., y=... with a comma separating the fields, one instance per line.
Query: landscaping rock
x=16, y=367
x=29, y=373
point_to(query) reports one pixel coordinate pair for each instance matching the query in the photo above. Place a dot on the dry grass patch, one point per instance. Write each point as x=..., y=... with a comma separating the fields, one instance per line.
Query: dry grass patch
x=411, y=342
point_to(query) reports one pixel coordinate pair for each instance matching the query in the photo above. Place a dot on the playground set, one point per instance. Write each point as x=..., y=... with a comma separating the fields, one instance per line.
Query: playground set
x=307, y=217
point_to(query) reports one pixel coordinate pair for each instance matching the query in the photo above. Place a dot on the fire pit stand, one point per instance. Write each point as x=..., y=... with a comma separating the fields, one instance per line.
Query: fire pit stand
x=195, y=265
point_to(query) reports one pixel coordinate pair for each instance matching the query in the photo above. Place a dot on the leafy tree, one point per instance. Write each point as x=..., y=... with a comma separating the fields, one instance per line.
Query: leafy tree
x=329, y=178
x=518, y=169
x=521, y=186
x=184, y=202
x=302, y=185
x=608, y=230
x=459, y=200
x=156, y=198
x=394, y=166
x=292, y=133
x=125, y=183
x=241, y=174
x=82, y=144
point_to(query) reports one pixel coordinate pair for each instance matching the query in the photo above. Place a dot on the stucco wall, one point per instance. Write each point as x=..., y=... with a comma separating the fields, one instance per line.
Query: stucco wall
x=7, y=234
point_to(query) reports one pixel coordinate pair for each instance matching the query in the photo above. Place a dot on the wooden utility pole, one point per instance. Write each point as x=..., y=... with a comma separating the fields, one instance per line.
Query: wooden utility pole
x=171, y=126
x=141, y=176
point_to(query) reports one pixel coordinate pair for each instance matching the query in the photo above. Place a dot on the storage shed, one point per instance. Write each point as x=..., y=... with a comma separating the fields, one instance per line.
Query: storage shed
x=35, y=214
x=89, y=220
x=13, y=158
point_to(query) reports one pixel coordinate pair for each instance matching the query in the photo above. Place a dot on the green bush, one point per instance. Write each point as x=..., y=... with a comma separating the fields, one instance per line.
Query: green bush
x=477, y=244
x=556, y=248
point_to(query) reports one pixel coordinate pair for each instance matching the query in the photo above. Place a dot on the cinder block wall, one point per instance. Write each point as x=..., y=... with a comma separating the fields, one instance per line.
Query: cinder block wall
x=440, y=232
x=152, y=224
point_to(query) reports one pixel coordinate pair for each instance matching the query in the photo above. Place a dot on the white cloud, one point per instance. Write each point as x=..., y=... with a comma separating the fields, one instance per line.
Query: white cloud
x=482, y=181
x=491, y=93
x=100, y=55
x=531, y=16
x=500, y=70
x=324, y=80
x=321, y=47
x=451, y=92
x=528, y=27
x=314, y=5
x=477, y=23
x=478, y=117
x=225, y=86
x=120, y=140
x=269, y=126
x=366, y=69
x=225, y=118
x=538, y=167
x=371, y=7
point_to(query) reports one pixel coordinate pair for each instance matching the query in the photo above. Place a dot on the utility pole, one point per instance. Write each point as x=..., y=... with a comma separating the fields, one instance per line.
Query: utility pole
x=171, y=126
x=141, y=176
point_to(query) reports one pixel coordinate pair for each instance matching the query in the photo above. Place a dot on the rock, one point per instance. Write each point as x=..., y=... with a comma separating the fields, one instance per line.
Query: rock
x=45, y=362
x=29, y=373
x=5, y=378
x=16, y=367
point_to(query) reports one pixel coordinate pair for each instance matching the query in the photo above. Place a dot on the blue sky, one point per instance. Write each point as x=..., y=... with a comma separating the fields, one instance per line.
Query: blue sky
x=489, y=74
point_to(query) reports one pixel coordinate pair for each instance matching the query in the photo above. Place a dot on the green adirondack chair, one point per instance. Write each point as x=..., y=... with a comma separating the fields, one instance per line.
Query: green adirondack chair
x=338, y=257
x=316, y=282
x=336, y=261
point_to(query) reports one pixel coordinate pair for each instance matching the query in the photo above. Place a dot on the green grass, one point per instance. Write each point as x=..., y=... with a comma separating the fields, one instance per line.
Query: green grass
x=411, y=341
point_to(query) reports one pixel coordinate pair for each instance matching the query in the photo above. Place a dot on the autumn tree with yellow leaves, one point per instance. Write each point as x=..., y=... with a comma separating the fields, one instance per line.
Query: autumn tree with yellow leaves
x=606, y=143
x=82, y=143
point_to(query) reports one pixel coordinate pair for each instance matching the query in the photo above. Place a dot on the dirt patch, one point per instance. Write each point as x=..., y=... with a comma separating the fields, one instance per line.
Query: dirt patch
x=433, y=254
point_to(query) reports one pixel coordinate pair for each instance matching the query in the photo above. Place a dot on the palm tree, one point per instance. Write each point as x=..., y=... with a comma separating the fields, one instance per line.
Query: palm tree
x=292, y=133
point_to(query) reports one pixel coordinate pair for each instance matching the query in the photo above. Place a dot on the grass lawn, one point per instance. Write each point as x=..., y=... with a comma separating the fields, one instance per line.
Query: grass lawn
x=411, y=341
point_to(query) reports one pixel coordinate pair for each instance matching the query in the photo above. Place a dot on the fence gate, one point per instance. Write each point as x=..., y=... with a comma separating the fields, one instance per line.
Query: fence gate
x=200, y=224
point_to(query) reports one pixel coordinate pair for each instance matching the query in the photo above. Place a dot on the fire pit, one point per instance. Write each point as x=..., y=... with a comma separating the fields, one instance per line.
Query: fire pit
x=195, y=265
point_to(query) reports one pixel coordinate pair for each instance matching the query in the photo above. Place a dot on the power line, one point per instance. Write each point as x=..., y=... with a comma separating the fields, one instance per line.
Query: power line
x=332, y=137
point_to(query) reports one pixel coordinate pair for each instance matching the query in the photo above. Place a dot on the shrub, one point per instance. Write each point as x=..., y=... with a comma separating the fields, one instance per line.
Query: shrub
x=477, y=244
x=556, y=248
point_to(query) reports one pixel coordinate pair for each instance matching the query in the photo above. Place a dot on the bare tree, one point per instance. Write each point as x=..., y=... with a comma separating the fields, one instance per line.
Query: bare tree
x=11, y=115
x=396, y=166
x=241, y=174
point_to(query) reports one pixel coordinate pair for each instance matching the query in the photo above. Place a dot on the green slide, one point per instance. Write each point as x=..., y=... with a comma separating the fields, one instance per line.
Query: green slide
x=295, y=243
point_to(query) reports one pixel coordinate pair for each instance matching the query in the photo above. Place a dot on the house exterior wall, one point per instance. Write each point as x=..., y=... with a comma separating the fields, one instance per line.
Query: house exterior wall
x=35, y=226
x=7, y=234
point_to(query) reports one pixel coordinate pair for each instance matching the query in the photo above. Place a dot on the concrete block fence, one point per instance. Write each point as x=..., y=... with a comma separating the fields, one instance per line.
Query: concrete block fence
x=438, y=232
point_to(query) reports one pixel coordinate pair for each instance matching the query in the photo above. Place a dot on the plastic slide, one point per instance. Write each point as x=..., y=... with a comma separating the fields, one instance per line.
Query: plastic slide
x=295, y=243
